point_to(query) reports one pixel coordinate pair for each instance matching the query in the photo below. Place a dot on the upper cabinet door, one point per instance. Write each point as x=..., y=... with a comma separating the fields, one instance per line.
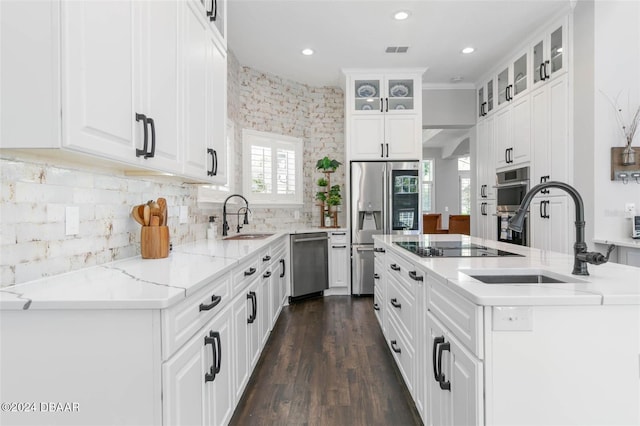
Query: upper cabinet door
x=520, y=68
x=556, y=53
x=550, y=54
x=97, y=92
x=368, y=96
x=400, y=95
x=490, y=90
x=481, y=102
x=538, y=62
x=503, y=86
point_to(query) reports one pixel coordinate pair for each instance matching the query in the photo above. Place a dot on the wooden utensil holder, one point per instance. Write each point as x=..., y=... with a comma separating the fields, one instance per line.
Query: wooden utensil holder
x=154, y=242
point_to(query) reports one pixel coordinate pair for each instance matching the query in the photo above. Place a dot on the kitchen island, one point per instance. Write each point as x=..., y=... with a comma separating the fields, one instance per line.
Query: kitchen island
x=507, y=354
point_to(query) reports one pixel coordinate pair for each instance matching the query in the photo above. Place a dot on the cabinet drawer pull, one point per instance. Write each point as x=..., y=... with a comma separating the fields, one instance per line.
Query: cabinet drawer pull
x=143, y=151
x=338, y=246
x=387, y=110
x=213, y=160
x=338, y=233
x=394, y=346
x=381, y=148
x=214, y=302
x=283, y=268
x=376, y=276
x=395, y=303
x=414, y=276
x=153, y=139
x=216, y=335
x=254, y=308
x=436, y=341
x=381, y=105
x=395, y=267
x=251, y=271
x=266, y=274
x=376, y=307
x=266, y=258
x=211, y=375
x=387, y=146
x=444, y=385
x=379, y=250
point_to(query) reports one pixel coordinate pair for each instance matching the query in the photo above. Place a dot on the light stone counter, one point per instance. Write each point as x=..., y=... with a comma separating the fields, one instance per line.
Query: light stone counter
x=610, y=283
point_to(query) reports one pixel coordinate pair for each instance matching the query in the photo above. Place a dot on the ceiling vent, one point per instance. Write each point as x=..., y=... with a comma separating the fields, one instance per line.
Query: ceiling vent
x=397, y=49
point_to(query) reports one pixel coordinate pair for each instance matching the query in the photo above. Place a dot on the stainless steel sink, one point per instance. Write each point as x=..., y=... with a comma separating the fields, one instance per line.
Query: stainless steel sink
x=248, y=237
x=519, y=276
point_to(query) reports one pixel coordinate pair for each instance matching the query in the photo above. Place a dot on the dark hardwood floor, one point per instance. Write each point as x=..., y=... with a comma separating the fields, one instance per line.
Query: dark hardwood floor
x=326, y=363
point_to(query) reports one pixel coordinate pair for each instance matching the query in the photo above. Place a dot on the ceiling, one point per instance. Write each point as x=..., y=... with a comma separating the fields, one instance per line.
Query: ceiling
x=268, y=35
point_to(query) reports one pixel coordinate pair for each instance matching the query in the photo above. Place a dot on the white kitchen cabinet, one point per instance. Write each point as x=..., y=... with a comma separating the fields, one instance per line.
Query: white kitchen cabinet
x=513, y=133
x=384, y=114
x=551, y=146
x=485, y=159
x=552, y=223
x=242, y=370
x=339, y=260
x=264, y=306
x=550, y=54
x=214, y=12
x=455, y=379
x=197, y=385
x=380, y=285
x=485, y=98
x=512, y=80
x=487, y=223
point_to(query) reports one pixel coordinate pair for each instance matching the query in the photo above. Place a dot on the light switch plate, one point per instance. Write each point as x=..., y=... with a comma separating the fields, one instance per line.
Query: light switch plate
x=629, y=210
x=512, y=318
x=72, y=220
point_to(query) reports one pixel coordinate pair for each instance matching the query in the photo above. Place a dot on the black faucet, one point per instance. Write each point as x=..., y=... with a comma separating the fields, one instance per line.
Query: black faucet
x=225, y=224
x=581, y=255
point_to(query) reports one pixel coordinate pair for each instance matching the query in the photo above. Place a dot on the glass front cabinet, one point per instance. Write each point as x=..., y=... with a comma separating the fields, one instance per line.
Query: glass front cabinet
x=377, y=94
x=549, y=55
x=485, y=99
x=513, y=80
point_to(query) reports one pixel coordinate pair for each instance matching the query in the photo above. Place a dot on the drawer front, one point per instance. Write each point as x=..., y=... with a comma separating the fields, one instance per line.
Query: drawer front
x=338, y=237
x=460, y=316
x=182, y=321
x=264, y=258
x=378, y=306
x=245, y=272
x=402, y=352
x=402, y=305
x=400, y=268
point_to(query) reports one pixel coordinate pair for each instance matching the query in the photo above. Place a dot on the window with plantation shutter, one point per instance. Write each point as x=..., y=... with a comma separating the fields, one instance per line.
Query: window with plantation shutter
x=272, y=166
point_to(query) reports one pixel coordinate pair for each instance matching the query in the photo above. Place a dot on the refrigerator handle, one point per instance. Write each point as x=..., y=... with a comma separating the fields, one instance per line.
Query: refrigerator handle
x=385, y=200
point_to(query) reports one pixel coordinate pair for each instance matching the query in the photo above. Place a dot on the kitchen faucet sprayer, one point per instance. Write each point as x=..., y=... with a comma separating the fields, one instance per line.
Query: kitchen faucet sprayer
x=581, y=255
x=225, y=224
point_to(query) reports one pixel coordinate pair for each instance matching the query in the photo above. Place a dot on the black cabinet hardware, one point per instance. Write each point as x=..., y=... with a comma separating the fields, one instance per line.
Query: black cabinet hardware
x=395, y=303
x=153, y=139
x=414, y=276
x=213, y=13
x=395, y=267
x=338, y=233
x=218, y=363
x=394, y=346
x=444, y=385
x=378, y=250
x=214, y=166
x=338, y=246
x=542, y=180
x=381, y=150
x=436, y=341
x=546, y=70
x=213, y=160
x=266, y=258
x=211, y=375
x=387, y=149
x=254, y=308
x=214, y=302
x=283, y=268
x=266, y=274
x=376, y=307
x=381, y=105
x=143, y=151
x=376, y=276
x=251, y=271
x=541, y=71
x=387, y=102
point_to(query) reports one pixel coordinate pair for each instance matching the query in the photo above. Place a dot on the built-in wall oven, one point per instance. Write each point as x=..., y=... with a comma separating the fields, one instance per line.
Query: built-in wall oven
x=511, y=187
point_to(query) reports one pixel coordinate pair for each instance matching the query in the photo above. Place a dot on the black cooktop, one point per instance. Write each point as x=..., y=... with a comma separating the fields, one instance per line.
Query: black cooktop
x=451, y=249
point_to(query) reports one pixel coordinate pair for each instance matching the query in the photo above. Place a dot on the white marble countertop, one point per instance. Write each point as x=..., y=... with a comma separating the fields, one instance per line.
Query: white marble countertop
x=135, y=283
x=609, y=283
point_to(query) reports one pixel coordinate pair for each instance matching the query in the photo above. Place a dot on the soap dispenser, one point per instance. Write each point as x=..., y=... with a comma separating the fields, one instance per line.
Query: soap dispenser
x=212, y=231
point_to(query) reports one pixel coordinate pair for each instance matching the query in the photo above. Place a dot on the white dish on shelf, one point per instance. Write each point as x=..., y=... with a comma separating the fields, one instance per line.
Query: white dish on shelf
x=400, y=106
x=366, y=91
x=366, y=107
x=399, y=91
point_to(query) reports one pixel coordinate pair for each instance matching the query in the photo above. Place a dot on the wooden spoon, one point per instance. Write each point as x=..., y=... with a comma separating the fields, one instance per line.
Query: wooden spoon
x=154, y=211
x=163, y=211
x=147, y=214
x=136, y=215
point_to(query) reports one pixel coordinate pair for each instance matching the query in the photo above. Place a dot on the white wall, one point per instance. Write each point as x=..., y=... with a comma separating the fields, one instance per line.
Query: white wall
x=444, y=108
x=446, y=184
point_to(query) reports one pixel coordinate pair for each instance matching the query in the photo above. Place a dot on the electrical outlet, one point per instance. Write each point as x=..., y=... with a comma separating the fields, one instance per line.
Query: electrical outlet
x=629, y=210
x=516, y=318
x=184, y=214
x=72, y=220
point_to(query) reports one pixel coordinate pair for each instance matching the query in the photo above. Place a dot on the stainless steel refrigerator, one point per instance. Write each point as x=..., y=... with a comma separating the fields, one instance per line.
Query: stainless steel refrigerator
x=384, y=199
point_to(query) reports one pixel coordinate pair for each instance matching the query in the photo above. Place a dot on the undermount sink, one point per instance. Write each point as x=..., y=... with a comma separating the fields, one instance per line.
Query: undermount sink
x=519, y=276
x=248, y=237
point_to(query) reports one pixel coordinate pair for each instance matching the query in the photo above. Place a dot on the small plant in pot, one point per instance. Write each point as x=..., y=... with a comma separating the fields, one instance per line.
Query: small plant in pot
x=334, y=198
x=322, y=182
x=327, y=165
x=321, y=196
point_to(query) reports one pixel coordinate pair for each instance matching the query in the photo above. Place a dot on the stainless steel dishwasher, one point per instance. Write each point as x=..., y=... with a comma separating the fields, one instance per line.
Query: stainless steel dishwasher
x=309, y=258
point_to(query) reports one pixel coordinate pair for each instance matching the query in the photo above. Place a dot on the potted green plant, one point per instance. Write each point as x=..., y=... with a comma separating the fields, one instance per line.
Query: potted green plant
x=333, y=197
x=321, y=196
x=322, y=182
x=327, y=165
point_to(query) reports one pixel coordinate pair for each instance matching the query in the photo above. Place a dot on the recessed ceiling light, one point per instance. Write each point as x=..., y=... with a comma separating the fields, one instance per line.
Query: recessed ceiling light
x=467, y=50
x=457, y=79
x=401, y=15
x=307, y=52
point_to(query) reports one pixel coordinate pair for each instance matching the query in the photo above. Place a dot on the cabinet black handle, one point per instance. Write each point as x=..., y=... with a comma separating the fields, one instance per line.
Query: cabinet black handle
x=283, y=268
x=376, y=307
x=338, y=233
x=266, y=258
x=379, y=250
x=251, y=271
x=216, y=336
x=395, y=304
x=395, y=267
x=215, y=163
x=382, y=150
x=544, y=179
x=153, y=139
x=381, y=105
x=211, y=375
x=546, y=211
x=143, y=152
x=436, y=341
x=214, y=302
x=387, y=149
x=444, y=385
x=394, y=346
x=215, y=11
x=541, y=207
x=338, y=247
x=541, y=71
x=254, y=309
x=546, y=73
x=376, y=276
x=210, y=152
x=387, y=102
x=506, y=155
x=266, y=274
x=414, y=276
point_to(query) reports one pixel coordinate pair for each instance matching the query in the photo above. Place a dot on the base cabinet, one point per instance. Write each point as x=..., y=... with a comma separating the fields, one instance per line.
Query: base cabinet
x=339, y=272
x=551, y=220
